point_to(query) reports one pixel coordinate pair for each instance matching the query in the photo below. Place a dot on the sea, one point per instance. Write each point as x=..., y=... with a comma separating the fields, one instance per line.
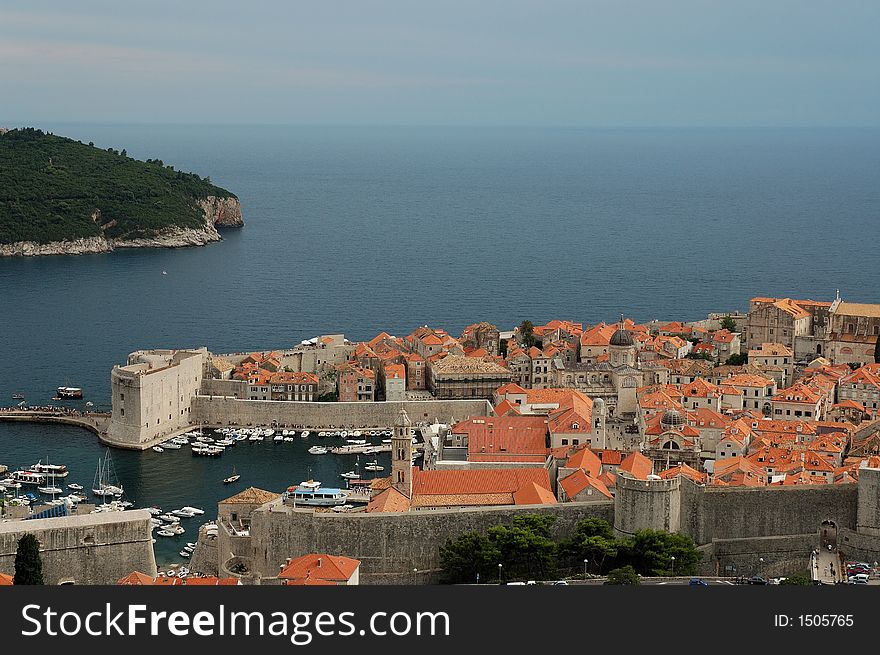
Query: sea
x=356, y=230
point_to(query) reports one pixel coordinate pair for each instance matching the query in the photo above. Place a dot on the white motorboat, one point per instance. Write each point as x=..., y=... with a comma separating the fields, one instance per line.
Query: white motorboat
x=75, y=486
x=50, y=490
x=278, y=438
x=350, y=475
x=165, y=532
x=318, y=450
x=182, y=513
x=155, y=511
x=170, y=445
x=49, y=470
x=305, y=434
x=177, y=529
x=289, y=439
x=195, y=510
x=158, y=449
x=374, y=466
x=185, y=553
x=169, y=518
x=232, y=478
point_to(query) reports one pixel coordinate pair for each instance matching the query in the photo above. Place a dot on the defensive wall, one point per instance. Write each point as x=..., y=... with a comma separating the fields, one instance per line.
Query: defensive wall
x=213, y=410
x=389, y=545
x=85, y=549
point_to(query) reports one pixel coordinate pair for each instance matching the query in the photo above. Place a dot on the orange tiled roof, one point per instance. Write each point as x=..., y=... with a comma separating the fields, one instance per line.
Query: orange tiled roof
x=320, y=566
x=579, y=481
x=637, y=465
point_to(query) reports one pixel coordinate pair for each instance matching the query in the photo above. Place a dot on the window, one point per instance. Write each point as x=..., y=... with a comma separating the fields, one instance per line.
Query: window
x=122, y=412
x=122, y=395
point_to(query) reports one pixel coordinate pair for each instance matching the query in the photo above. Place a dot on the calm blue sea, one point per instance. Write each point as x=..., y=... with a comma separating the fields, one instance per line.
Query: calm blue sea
x=358, y=230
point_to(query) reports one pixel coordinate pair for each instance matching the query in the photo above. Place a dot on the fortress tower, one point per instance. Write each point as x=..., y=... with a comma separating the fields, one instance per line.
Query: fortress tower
x=646, y=504
x=401, y=455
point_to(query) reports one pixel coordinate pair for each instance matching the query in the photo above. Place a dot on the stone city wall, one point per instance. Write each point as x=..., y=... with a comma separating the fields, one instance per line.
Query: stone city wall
x=739, y=512
x=85, y=549
x=231, y=411
x=389, y=546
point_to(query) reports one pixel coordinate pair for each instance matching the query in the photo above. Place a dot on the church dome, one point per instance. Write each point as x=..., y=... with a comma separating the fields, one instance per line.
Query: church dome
x=672, y=418
x=622, y=338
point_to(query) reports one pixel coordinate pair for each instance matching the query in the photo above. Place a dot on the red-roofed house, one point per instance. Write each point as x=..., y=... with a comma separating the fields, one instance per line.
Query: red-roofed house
x=317, y=568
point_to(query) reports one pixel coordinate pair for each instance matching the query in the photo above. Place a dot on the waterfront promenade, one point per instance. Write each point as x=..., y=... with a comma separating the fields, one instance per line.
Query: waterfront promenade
x=96, y=422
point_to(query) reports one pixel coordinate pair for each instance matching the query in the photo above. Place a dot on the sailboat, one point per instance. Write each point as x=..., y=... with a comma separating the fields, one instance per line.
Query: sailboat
x=105, y=483
x=232, y=478
x=49, y=471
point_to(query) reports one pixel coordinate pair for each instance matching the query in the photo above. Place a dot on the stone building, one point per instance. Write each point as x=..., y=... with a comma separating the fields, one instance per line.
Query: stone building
x=355, y=383
x=152, y=394
x=855, y=328
x=481, y=335
x=777, y=320
x=456, y=376
x=775, y=355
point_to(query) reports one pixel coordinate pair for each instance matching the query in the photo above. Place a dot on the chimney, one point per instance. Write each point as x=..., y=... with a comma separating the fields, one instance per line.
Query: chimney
x=319, y=562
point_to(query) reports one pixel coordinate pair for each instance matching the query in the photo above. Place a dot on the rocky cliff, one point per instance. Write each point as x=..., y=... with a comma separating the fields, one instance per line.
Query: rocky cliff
x=219, y=212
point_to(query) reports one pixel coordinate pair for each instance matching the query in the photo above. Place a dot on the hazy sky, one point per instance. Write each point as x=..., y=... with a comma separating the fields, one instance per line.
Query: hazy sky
x=587, y=62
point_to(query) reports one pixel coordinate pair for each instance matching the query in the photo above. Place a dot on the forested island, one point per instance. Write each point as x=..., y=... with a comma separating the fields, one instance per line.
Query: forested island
x=60, y=196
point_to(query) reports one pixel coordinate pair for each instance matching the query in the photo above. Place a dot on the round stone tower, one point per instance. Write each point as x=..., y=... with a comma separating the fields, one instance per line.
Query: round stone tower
x=646, y=504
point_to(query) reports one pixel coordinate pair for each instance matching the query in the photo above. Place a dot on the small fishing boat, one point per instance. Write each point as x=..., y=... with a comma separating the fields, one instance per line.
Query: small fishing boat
x=18, y=396
x=278, y=438
x=305, y=434
x=75, y=486
x=374, y=466
x=184, y=553
x=318, y=450
x=165, y=532
x=158, y=449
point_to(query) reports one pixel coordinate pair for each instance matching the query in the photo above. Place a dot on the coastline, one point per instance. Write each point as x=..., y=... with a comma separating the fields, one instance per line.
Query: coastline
x=218, y=211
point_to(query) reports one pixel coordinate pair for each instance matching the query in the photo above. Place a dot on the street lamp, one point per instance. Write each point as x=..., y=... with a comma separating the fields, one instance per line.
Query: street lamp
x=586, y=561
x=499, y=573
x=415, y=576
x=761, y=566
x=673, y=566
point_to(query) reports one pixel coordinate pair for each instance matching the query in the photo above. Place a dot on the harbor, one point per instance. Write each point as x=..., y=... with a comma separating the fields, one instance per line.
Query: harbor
x=175, y=479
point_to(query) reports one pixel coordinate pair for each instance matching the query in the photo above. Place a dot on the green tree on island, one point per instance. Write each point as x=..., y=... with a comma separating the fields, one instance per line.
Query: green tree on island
x=28, y=563
x=727, y=323
x=625, y=575
x=739, y=359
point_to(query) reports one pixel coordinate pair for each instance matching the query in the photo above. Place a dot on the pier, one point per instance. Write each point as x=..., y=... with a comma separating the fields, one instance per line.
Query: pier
x=95, y=422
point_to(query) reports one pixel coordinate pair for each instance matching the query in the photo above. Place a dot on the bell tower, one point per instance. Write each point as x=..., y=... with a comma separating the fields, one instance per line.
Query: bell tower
x=401, y=455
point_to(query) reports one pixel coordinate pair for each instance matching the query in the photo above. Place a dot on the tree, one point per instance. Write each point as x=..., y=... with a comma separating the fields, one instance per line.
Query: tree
x=28, y=563
x=625, y=575
x=502, y=348
x=594, y=541
x=467, y=557
x=527, y=333
x=727, y=323
x=799, y=579
x=651, y=551
x=526, y=548
x=737, y=359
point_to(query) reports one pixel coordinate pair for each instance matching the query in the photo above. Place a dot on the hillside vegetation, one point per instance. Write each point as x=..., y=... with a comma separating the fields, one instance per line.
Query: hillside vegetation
x=53, y=189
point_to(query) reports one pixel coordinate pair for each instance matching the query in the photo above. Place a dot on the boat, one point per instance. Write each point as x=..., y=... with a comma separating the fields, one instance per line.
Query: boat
x=182, y=513
x=305, y=434
x=18, y=396
x=355, y=474
x=29, y=477
x=278, y=438
x=69, y=393
x=191, y=544
x=284, y=433
x=206, y=450
x=232, y=478
x=165, y=532
x=90, y=404
x=158, y=449
x=75, y=486
x=170, y=445
x=318, y=450
x=51, y=490
x=373, y=466
x=184, y=553
x=289, y=439
x=310, y=493
x=169, y=518
x=155, y=511
x=49, y=470
x=106, y=483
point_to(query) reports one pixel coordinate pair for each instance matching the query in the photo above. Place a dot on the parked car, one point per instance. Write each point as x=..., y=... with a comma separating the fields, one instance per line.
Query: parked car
x=757, y=579
x=697, y=582
x=561, y=582
x=859, y=578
